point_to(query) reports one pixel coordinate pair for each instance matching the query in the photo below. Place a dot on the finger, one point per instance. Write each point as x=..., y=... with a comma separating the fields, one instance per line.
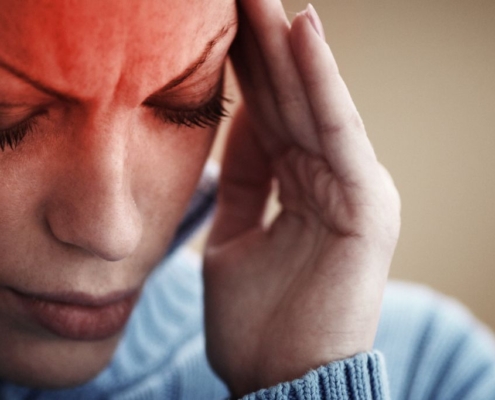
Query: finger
x=244, y=183
x=342, y=134
x=252, y=75
x=271, y=31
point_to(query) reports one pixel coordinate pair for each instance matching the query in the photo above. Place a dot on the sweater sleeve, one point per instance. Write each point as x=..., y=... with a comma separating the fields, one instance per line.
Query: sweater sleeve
x=362, y=377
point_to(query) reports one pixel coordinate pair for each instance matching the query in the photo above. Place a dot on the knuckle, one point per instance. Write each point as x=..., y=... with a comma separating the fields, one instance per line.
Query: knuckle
x=349, y=120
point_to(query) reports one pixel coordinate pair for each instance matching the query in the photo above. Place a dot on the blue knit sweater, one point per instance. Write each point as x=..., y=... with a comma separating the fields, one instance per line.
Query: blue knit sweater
x=427, y=347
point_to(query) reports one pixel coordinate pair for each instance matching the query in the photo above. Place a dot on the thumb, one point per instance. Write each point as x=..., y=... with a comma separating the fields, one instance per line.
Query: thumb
x=245, y=182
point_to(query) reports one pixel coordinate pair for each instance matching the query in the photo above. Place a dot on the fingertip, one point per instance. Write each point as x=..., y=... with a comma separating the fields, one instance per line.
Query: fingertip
x=305, y=38
x=309, y=48
x=309, y=17
x=263, y=14
x=315, y=20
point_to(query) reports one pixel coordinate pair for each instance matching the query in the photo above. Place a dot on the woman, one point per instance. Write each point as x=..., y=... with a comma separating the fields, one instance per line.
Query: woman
x=107, y=114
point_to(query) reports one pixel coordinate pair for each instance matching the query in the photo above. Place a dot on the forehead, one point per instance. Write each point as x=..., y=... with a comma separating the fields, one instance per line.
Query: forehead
x=97, y=44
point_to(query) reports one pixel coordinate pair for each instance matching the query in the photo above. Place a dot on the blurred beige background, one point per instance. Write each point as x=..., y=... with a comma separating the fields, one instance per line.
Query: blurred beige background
x=422, y=74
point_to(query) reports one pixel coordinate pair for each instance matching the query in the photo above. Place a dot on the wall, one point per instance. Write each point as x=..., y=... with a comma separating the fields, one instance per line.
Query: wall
x=422, y=74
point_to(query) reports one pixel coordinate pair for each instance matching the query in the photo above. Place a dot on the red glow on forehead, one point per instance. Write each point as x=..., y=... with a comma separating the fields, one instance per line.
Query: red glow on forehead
x=89, y=47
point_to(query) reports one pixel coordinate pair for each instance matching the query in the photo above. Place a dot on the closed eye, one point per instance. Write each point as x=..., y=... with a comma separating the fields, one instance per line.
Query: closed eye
x=209, y=114
x=12, y=136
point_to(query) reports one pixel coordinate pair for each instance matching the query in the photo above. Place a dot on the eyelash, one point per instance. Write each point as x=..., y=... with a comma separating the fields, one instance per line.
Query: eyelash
x=208, y=115
x=12, y=137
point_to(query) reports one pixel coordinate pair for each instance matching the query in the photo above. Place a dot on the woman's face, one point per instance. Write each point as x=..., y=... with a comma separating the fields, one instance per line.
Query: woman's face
x=91, y=195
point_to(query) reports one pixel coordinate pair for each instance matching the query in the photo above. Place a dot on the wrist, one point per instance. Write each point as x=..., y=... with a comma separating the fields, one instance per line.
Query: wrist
x=360, y=376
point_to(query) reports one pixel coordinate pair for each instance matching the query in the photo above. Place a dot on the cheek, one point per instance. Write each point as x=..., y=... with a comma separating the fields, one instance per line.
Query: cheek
x=23, y=188
x=167, y=175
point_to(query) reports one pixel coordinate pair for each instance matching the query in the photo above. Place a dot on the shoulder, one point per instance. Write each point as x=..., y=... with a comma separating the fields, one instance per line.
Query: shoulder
x=433, y=345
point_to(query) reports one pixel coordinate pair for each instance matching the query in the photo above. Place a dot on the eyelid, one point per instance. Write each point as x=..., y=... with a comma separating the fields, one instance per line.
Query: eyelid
x=214, y=92
x=174, y=103
x=191, y=96
x=208, y=114
x=12, y=109
x=13, y=135
x=17, y=118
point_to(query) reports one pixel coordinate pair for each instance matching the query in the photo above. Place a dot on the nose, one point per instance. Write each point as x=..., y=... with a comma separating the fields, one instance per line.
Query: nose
x=91, y=205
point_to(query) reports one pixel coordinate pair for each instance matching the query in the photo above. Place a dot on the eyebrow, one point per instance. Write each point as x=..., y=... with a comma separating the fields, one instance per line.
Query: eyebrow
x=33, y=82
x=198, y=63
x=188, y=72
x=158, y=96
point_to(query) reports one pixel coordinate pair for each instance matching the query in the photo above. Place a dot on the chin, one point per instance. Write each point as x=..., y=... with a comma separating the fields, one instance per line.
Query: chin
x=55, y=364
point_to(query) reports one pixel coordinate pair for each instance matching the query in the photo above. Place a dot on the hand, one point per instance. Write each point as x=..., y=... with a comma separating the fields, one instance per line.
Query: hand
x=307, y=289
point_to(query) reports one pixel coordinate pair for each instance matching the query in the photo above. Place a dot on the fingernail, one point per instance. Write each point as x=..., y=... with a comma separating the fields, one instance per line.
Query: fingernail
x=315, y=20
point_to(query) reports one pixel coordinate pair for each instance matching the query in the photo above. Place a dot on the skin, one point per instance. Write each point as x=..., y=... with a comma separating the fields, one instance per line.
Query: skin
x=92, y=196
x=89, y=201
x=306, y=289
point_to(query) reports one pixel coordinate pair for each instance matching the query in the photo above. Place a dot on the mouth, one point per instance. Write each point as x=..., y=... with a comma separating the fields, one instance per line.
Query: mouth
x=79, y=316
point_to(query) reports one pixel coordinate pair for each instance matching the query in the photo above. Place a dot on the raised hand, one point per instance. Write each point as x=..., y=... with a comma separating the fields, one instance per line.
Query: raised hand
x=307, y=289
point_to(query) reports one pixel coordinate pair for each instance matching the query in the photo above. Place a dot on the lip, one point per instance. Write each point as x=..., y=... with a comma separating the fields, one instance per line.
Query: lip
x=79, y=316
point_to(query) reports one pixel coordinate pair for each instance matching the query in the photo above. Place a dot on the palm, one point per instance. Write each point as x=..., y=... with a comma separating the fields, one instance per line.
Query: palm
x=306, y=290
